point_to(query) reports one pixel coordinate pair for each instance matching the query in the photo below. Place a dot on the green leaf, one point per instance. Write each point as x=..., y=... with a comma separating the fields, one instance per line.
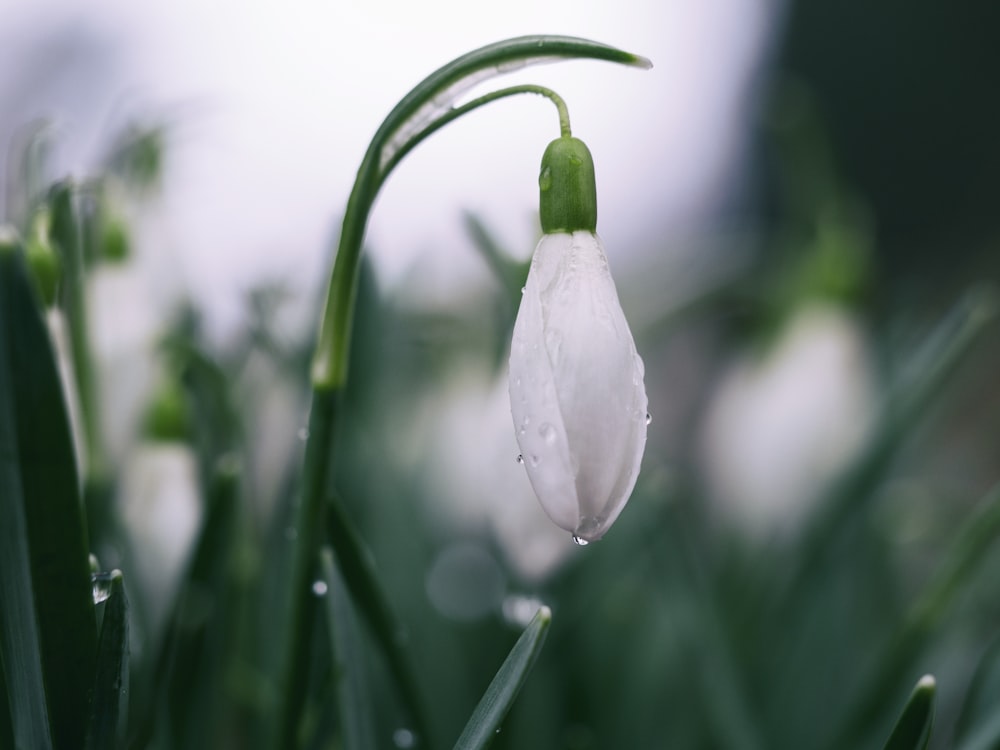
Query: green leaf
x=348, y=655
x=485, y=722
x=361, y=579
x=49, y=624
x=190, y=668
x=978, y=725
x=111, y=679
x=924, y=380
x=913, y=728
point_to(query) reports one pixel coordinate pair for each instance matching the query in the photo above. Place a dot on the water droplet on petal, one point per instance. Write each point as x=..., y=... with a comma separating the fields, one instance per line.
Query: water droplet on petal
x=522, y=290
x=548, y=433
x=580, y=541
x=649, y=418
x=519, y=459
x=319, y=588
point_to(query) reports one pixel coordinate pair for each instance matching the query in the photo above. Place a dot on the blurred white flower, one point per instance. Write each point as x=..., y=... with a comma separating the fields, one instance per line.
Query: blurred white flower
x=160, y=505
x=474, y=481
x=781, y=426
x=576, y=386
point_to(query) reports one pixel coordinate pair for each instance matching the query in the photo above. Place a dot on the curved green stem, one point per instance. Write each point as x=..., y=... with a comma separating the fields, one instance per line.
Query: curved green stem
x=409, y=119
x=453, y=114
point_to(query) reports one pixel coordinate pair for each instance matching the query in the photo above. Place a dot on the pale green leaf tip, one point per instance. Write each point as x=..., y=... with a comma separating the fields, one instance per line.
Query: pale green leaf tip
x=639, y=61
x=544, y=615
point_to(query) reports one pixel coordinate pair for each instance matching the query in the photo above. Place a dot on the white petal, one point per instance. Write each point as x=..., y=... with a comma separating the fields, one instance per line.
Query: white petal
x=577, y=396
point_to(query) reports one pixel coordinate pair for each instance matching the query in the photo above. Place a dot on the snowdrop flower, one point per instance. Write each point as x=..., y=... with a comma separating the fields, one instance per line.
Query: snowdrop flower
x=782, y=425
x=576, y=382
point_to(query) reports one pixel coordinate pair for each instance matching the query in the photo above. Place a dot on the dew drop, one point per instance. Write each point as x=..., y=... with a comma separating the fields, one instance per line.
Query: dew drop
x=649, y=418
x=548, y=433
x=101, y=583
x=319, y=588
x=523, y=289
x=580, y=541
x=520, y=458
x=545, y=179
x=404, y=738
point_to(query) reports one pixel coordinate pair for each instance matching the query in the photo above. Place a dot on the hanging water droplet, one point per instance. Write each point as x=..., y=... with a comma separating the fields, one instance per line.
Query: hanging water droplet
x=545, y=179
x=404, y=738
x=580, y=541
x=520, y=458
x=522, y=290
x=649, y=418
x=303, y=434
x=319, y=588
x=101, y=583
x=548, y=433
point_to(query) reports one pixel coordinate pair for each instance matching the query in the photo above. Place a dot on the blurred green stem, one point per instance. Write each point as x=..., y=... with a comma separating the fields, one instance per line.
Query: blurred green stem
x=68, y=233
x=927, y=375
x=417, y=115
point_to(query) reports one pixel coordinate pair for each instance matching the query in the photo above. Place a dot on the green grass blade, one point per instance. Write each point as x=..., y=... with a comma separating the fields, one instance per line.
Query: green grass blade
x=963, y=558
x=913, y=729
x=978, y=724
x=360, y=577
x=20, y=650
x=499, y=696
x=352, y=695
x=189, y=672
x=111, y=679
x=927, y=376
x=39, y=473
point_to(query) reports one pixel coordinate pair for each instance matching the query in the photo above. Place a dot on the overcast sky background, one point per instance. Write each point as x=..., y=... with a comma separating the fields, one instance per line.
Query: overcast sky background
x=273, y=104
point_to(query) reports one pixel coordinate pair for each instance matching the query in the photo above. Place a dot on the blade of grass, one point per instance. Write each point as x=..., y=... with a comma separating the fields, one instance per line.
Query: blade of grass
x=485, y=721
x=69, y=236
x=973, y=541
x=360, y=577
x=978, y=724
x=40, y=470
x=20, y=650
x=926, y=378
x=913, y=728
x=349, y=669
x=111, y=680
x=190, y=666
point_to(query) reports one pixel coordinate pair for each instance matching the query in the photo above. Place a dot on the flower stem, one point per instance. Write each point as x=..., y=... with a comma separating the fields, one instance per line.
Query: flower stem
x=456, y=112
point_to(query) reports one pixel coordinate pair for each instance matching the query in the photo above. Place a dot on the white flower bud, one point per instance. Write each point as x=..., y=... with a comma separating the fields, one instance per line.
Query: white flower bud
x=576, y=386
